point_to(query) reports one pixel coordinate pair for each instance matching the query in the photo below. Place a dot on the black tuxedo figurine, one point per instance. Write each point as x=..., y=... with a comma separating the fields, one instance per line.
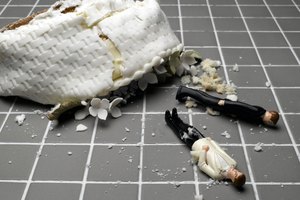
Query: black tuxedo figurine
x=233, y=108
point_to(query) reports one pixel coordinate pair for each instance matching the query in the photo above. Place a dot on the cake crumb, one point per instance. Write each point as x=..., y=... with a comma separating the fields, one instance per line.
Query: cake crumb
x=226, y=134
x=20, y=119
x=81, y=128
x=258, y=147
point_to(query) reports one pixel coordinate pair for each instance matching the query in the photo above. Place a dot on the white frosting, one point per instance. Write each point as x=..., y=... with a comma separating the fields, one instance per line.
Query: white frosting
x=59, y=57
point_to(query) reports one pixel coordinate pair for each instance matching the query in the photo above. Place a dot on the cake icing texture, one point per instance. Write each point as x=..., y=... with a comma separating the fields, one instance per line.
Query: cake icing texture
x=79, y=49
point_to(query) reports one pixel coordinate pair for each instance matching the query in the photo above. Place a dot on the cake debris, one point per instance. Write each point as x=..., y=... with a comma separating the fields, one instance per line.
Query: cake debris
x=235, y=68
x=127, y=129
x=199, y=197
x=81, y=128
x=212, y=112
x=20, y=119
x=226, y=134
x=258, y=147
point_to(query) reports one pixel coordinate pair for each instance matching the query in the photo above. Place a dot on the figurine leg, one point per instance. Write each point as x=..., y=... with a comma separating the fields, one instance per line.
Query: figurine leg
x=187, y=133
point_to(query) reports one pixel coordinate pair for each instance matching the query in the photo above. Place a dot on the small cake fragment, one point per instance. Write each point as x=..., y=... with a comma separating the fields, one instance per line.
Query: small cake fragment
x=258, y=147
x=81, y=128
x=19, y=119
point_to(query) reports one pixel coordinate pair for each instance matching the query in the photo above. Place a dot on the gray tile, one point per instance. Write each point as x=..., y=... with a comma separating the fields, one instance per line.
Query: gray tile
x=206, y=124
x=238, y=56
x=22, y=2
x=174, y=23
x=61, y=163
x=4, y=2
x=2, y=117
x=160, y=99
x=114, y=130
x=16, y=12
x=212, y=53
x=168, y=192
x=225, y=11
x=279, y=2
x=6, y=103
x=194, y=11
x=39, y=9
x=289, y=24
x=289, y=99
x=293, y=122
x=229, y=24
x=282, y=191
x=253, y=133
x=46, y=2
x=193, y=2
x=111, y=192
x=237, y=154
x=221, y=2
x=234, y=39
x=294, y=39
x=168, y=1
x=166, y=163
x=222, y=192
x=11, y=191
x=203, y=24
x=24, y=105
x=259, y=97
x=285, y=11
x=277, y=158
x=114, y=164
x=259, y=24
x=199, y=39
x=66, y=132
x=4, y=22
x=277, y=57
x=251, y=2
x=51, y=191
x=170, y=10
x=157, y=131
x=133, y=105
x=268, y=39
x=255, y=11
x=284, y=76
x=297, y=51
x=32, y=130
x=248, y=77
x=16, y=161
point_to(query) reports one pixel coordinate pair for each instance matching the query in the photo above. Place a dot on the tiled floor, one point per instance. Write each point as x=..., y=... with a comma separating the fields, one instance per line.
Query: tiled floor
x=137, y=156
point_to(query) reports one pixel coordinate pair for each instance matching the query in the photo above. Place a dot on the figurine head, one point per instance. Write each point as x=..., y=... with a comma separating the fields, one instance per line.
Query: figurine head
x=271, y=118
x=237, y=177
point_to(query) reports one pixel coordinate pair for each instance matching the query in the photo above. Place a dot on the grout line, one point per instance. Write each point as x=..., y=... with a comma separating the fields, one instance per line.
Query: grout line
x=218, y=43
x=283, y=34
x=136, y=183
x=252, y=180
x=7, y=114
x=138, y=144
x=29, y=181
x=269, y=80
x=180, y=21
x=195, y=166
x=142, y=144
x=88, y=161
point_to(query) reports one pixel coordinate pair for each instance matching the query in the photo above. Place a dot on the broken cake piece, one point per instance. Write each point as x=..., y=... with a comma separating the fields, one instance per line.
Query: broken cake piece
x=81, y=49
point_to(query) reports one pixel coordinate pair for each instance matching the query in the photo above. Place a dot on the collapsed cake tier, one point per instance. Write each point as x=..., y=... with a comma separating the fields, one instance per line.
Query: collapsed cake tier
x=79, y=49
